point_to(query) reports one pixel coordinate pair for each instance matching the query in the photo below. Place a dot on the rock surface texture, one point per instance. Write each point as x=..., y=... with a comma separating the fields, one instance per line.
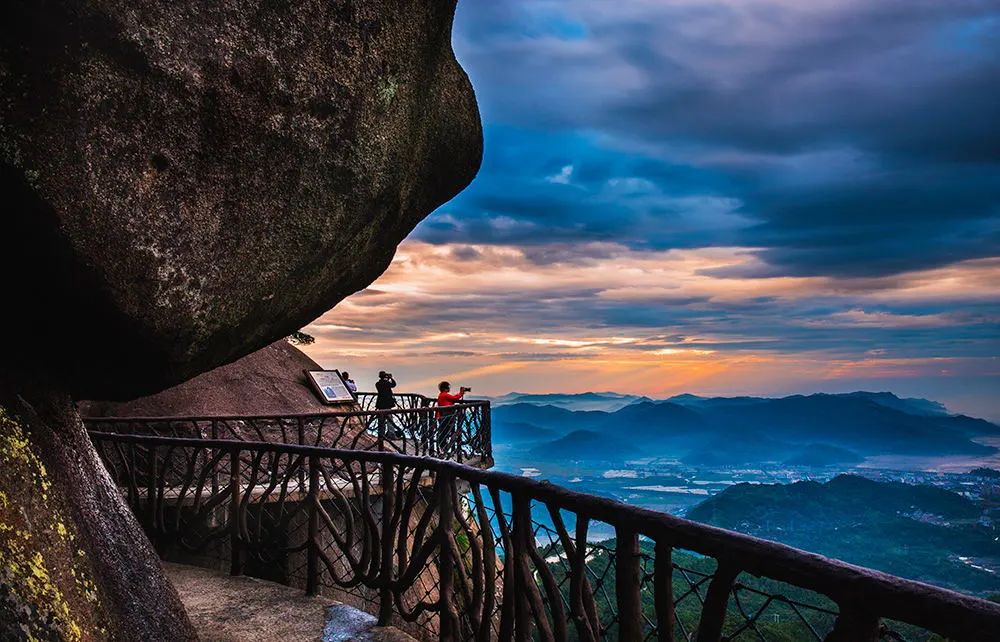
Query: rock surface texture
x=269, y=381
x=184, y=183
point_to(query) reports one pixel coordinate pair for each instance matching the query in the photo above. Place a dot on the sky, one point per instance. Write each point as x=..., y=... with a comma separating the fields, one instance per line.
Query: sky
x=709, y=196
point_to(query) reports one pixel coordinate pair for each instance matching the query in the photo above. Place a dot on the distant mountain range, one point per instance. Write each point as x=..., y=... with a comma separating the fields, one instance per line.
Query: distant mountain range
x=911, y=405
x=921, y=532
x=822, y=455
x=823, y=429
x=606, y=401
x=581, y=444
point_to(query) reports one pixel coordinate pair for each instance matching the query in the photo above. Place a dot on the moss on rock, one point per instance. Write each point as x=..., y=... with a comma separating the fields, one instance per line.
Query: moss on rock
x=47, y=587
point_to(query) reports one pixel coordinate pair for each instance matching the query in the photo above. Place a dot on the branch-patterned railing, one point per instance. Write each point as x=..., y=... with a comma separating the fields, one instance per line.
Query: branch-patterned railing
x=458, y=553
x=460, y=433
x=404, y=400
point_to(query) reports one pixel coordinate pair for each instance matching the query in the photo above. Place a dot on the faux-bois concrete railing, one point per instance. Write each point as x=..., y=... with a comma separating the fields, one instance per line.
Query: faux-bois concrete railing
x=458, y=553
x=404, y=400
x=416, y=427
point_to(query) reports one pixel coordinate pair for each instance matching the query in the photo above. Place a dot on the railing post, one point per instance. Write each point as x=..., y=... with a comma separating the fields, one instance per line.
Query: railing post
x=446, y=564
x=663, y=592
x=434, y=446
x=430, y=431
x=459, y=420
x=151, y=488
x=426, y=428
x=486, y=432
x=854, y=624
x=235, y=547
x=578, y=584
x=713, y=613
x=380, y=427
x=312, y=548
x=133, y=487
x=214, y=434
x=627, y=582
x=301, y=429
x=521, y=534
x=388, y=535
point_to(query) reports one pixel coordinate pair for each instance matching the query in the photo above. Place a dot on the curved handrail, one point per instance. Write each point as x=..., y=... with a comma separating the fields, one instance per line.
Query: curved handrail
x=403, y=400
x=863, y=595
x=309, y=415
x=462, y=433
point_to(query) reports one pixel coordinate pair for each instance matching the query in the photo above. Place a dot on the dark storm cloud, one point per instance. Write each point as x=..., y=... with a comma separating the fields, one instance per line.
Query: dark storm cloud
x=901, y=77
x=848, y=138
x=542, y=188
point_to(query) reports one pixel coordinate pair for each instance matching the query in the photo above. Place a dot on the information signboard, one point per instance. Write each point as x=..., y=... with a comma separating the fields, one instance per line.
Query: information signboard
x=329, y=386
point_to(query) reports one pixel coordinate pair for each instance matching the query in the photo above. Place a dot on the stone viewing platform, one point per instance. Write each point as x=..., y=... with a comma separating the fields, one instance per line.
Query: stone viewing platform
x=227, y=608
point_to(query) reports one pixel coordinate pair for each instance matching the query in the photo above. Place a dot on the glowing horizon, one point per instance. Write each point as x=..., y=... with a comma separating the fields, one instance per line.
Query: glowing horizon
x=431, y=317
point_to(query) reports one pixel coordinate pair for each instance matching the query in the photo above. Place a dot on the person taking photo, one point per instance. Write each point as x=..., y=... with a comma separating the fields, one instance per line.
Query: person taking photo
x=385, y=399
x=446, y=417
x=445, y=398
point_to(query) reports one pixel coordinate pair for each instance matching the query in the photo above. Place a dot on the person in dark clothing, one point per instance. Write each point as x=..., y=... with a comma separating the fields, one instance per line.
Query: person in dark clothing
x=385, y=399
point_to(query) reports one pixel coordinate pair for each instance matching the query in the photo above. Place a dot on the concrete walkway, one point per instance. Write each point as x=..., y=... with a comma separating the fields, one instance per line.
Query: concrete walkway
x=244, y=609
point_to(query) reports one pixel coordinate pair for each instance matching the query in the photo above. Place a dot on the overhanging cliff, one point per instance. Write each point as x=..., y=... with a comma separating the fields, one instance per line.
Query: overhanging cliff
x=183, y=184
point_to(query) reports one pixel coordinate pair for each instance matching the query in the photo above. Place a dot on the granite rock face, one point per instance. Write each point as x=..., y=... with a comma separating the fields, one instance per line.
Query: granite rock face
x=186, y=182
x=269, y=381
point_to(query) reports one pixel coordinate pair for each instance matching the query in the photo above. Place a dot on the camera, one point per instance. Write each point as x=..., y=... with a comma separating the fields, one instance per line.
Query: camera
x=464, y=389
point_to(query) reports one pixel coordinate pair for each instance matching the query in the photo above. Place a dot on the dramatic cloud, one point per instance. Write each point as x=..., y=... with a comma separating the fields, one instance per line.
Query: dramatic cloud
x=836, y=137
x=710, y=196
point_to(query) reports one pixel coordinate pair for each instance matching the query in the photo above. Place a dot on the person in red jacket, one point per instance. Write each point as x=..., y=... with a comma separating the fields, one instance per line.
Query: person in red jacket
x=445, y=398
x=446, y=418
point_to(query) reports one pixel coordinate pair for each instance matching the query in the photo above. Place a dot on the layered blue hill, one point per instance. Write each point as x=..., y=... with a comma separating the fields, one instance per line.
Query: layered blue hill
x=833, y=428
x=584, y=445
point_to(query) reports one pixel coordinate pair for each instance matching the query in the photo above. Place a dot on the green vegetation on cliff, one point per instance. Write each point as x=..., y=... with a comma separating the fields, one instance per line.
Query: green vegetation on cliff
x=919, y=532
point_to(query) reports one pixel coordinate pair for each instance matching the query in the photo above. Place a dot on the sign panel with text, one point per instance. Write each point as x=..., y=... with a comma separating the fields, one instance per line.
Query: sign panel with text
x=329, y=386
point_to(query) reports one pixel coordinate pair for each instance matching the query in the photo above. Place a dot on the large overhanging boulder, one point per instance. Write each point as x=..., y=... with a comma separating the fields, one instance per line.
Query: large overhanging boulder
x=183, y=183
x=186, y=182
